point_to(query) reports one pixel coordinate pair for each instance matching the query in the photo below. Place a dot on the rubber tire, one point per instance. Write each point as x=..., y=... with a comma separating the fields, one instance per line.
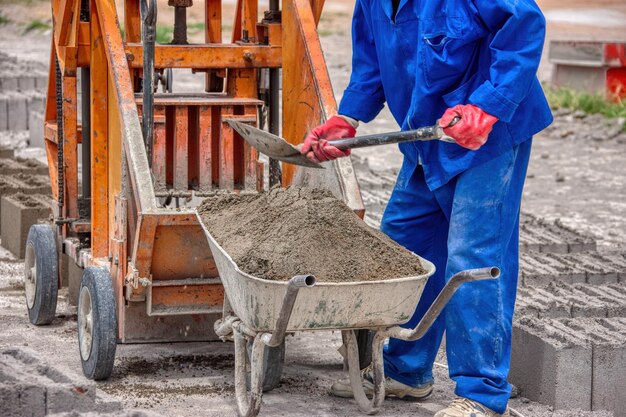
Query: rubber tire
x=98, y=282
x=364, y=339
x=42, y=238
x=274, y=360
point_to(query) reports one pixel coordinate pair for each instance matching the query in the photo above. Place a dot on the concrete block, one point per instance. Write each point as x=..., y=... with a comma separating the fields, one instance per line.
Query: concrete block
x=551, y=364
x=32, y=387
x=6, y=152
x=20, y=165
x=35, y=130
x=19, y=213
x=23, y=183
x=17, y=112
x=22, y=400
x=36, y=102
x=609, y=366
x=69, y=397
x=8, y=83
x=539, y=235
x=4, y=112
x=26, y=83
x=41, y=82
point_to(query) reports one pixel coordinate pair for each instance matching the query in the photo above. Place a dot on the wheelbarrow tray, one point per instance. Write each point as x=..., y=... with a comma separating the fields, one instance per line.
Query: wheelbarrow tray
x=327, y=305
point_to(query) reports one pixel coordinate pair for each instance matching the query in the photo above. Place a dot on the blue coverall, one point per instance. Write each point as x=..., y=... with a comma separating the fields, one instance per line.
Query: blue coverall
x=456, y=207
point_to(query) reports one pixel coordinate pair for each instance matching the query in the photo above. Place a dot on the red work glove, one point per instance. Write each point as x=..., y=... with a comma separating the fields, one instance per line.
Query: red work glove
x=317, y=146
x=472, y=130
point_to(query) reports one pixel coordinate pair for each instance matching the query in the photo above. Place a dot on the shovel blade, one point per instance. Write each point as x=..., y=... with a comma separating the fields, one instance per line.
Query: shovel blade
x=271, y=145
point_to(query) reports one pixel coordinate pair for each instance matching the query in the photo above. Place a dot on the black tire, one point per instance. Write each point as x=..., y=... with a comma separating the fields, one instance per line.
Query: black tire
x=97, y=323
x=274, y=359
x=41, y=274
x=364, y=340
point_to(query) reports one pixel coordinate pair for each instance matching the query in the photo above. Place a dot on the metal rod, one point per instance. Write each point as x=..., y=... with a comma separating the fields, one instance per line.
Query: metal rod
x=248, y=405
x=148, y=11
x=180, y=26
x=85, y=85
x=440, y=302
x=293, y=287
x=352, y=352
x=274, y=121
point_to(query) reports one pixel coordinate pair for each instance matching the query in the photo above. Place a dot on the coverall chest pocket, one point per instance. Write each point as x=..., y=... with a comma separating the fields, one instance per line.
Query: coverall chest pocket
x=446, y=48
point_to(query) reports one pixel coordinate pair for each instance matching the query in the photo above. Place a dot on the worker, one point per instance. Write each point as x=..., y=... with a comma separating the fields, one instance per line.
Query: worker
x=456, y=204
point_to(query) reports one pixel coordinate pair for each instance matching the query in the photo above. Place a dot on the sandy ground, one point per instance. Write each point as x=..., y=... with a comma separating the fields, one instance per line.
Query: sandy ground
x=575, y=179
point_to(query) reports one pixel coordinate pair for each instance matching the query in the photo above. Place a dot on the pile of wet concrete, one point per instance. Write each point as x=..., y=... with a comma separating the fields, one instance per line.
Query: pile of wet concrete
x=569, y=337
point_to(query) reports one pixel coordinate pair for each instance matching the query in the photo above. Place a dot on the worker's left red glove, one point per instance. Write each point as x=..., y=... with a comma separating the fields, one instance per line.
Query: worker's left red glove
x=318, y=143
x=473, y=128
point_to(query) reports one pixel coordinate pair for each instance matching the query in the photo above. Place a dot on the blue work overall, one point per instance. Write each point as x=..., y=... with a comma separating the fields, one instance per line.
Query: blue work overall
x=456, y=207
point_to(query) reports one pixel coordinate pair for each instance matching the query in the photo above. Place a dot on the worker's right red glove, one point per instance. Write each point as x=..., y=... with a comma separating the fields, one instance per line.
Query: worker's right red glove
x=473, y=128
x=318, y=143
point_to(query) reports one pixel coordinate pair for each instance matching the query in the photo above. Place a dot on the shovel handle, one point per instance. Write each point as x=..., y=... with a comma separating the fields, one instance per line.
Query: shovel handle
x=423, y=133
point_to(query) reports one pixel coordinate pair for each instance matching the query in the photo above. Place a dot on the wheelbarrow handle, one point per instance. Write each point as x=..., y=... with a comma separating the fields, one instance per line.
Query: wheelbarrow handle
x=440, y=302
x=434, y=132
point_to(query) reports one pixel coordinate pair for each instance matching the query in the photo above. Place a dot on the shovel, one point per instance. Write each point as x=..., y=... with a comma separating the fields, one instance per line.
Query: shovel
x=278, y=148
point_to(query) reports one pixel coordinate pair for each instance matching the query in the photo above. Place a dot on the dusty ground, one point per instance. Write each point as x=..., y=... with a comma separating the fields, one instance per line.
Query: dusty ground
x=574, y=178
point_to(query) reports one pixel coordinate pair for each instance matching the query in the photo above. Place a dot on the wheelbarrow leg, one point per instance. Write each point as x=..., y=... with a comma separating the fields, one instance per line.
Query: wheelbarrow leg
x=354, y=370
x=249, y=405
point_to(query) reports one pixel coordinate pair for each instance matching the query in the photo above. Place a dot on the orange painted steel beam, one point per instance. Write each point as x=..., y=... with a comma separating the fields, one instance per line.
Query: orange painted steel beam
x=134, y=148
x=317, y=6
x=208, y=56
x=132, y=21
x=65, y=18
x=99, y=142
x=307, y=93
x=50, y=132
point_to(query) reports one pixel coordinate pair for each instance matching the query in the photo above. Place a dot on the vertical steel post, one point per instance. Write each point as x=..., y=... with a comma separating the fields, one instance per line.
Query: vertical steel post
x=273, y=16
x=85, y=86
x=148, y=11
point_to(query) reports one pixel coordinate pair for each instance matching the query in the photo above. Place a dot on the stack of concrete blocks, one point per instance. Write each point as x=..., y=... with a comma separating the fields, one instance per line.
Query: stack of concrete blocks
x=569, y=336
x=22, y=94
x=29, y=387
x=24, y=200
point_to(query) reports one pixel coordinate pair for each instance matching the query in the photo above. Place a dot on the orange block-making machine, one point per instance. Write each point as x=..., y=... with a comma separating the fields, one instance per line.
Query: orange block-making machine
x=125, y=237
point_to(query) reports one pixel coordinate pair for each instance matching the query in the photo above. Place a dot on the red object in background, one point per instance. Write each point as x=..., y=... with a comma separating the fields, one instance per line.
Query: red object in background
x=590, y=66
x=615, y=57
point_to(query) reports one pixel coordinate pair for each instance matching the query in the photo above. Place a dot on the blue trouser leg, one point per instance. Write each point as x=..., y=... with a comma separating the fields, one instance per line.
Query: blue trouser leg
x=478, y=215
x=414, y=219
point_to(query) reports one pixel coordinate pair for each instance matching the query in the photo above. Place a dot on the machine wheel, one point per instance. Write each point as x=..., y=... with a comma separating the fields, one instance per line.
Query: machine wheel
x=273, y=362
x=41, y=274
x=97, y=323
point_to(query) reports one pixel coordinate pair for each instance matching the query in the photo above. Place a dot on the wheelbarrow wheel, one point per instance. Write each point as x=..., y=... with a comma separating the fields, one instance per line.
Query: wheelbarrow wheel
x=97, y=323
x=273, y=361
x=41, y=274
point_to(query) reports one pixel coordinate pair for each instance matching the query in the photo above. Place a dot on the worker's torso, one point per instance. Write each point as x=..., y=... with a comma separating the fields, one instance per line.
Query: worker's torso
x=432, y=55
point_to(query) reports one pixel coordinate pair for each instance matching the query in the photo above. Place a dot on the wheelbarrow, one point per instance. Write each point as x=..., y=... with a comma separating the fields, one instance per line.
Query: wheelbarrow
x=263, y=311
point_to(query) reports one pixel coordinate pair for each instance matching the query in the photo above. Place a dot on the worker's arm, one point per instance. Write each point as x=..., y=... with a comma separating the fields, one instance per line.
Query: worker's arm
x=362, y=100
x=518, y=29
